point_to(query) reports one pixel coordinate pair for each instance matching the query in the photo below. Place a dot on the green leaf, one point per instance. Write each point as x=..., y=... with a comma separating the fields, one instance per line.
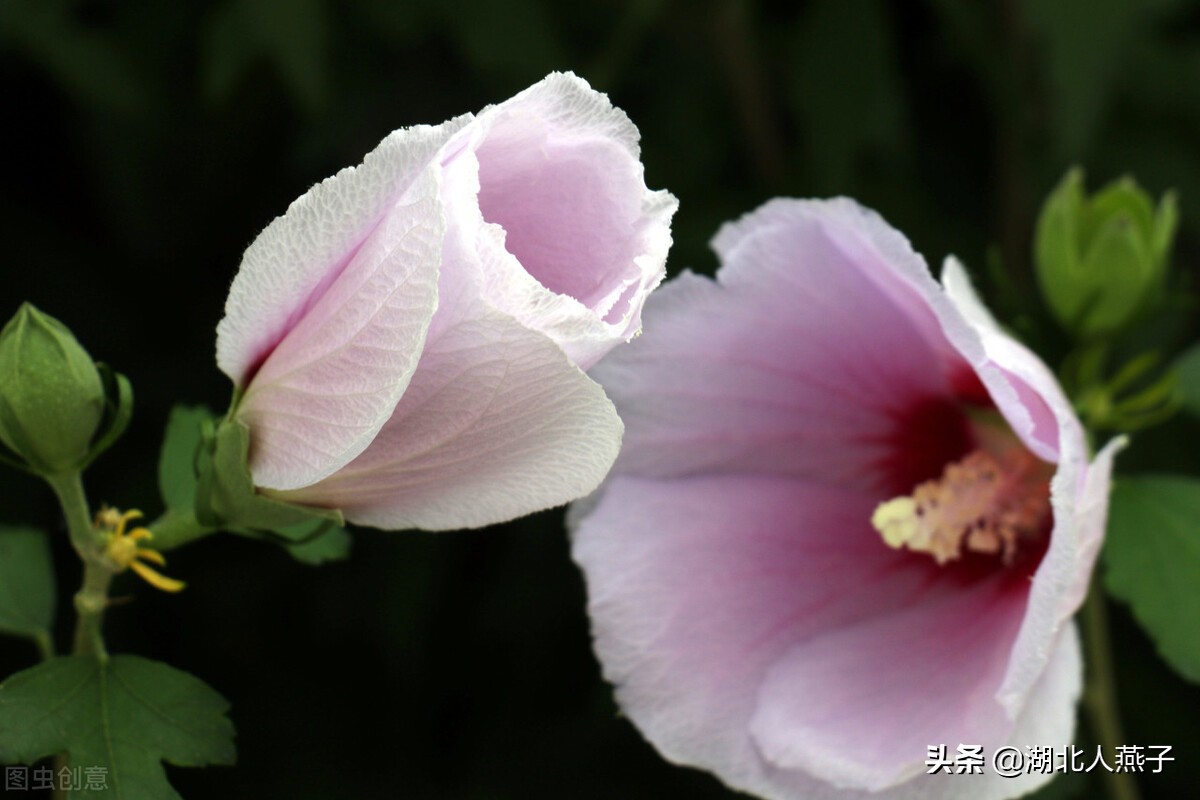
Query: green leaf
x=1187, y=368
x=1153, y=557
x=125, y=716
x=177, y=462
x=26, y=583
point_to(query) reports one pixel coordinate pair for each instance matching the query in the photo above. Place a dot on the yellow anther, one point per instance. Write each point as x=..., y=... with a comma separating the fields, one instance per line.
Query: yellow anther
x=897, y=521
x=122, y=551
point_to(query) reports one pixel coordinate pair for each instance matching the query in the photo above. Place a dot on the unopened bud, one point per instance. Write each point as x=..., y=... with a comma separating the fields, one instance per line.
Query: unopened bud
x=51, y=394
x=1102, y=260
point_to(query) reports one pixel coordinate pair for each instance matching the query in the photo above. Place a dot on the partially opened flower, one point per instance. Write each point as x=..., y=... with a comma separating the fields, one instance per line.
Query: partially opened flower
x=852, y=519
x=408, y=341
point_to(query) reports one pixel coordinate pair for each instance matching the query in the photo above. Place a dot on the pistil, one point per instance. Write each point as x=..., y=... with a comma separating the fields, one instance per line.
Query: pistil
x=983, y=503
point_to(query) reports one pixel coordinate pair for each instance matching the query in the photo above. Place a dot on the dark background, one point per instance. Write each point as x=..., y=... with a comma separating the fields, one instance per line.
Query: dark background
x=145, y=143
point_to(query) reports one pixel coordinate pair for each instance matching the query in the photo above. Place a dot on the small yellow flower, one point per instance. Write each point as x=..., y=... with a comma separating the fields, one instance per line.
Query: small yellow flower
x=123, y=551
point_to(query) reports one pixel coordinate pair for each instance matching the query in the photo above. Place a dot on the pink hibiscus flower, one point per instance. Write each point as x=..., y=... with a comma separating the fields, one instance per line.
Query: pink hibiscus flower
x=409, y=339
x=852, y=518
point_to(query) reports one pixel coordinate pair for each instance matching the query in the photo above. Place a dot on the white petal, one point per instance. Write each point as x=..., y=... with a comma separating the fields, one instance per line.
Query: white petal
x=300, y=253
x=329, y=386
x=326, y=318
x=496, y=424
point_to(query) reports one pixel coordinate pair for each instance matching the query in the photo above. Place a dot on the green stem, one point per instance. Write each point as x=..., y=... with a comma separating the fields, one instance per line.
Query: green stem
x=90, y=602
x=177, y=528
x=1100, y=692
x=92, y=597
x=86, y=540
x=45, y=645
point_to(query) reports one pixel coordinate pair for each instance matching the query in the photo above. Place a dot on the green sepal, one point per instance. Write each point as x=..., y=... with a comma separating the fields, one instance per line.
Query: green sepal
x=27, y=587
x=332, y=544
x=118, y=410
x=12, y=460
x=187, y=453
x=1134, y=398
x=178, y=461
x=313, y=542
x=225, y=493
x=125, y=716
x=1162, y=237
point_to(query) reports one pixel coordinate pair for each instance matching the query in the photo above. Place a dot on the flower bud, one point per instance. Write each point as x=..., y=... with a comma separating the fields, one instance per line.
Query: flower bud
x=51, y=394
x=1102, y=260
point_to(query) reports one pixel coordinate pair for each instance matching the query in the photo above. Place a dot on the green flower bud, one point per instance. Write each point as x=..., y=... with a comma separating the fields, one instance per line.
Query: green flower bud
x=1102, y=261
x=51, y=395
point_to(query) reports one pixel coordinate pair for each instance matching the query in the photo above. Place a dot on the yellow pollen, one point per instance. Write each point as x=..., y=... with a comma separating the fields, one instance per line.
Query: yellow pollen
x=122, y=550
x=981, y=503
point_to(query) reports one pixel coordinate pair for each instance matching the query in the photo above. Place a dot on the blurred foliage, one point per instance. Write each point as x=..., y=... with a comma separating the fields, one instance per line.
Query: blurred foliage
x=26, y=583
x=147, y=142
x=1154, y=562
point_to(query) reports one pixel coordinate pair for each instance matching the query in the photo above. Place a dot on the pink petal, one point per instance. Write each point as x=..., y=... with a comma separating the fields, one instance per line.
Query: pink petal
x=798, y=360
x=1028, y=395
x=701, y=589
x=868, y=245
x=327, y=316
x=858, y=705
x=1022, y=386
x=584, y=241
x=822, y=326
x=697, y=587
x=1048, y=720
x=496, y=423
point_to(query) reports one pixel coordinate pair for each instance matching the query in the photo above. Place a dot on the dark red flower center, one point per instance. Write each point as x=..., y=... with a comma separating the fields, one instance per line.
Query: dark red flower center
x=963, y=487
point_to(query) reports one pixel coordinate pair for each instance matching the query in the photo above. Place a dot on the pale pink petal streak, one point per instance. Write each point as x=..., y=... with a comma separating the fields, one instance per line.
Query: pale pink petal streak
x=333, y=380
x=295, y=258
x=491, y=405
x=698, y=586
x=857, y=706
x=803, y=371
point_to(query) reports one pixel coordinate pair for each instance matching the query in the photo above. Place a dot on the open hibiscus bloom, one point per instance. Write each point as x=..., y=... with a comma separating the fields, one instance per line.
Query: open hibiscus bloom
x=852, y=519
x=408, y=341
